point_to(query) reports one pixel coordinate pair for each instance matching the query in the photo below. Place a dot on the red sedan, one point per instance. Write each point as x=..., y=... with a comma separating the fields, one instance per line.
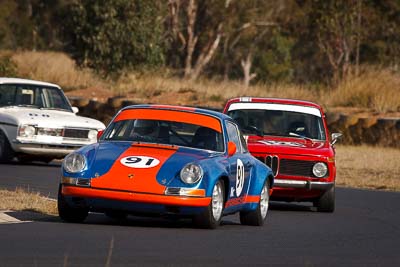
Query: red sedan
x=291, y=137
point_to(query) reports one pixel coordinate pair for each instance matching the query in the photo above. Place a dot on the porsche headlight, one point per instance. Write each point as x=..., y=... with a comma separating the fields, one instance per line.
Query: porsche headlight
x=320, y=169
x=191, y=173
x=27, y=131
x=92, y=135
x=74, y=163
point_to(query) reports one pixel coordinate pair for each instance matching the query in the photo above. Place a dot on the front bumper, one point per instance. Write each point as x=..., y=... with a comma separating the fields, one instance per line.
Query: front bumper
x=47, y=149
x=134, y=197
x=311, y=185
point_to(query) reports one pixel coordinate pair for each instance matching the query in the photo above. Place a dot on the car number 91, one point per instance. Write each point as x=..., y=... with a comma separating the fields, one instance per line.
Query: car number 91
x=141, y=162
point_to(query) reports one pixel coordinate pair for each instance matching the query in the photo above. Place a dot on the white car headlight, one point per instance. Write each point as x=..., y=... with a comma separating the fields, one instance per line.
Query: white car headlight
x=74, y=163
x=191, y=173
x=27, y=131
x=92, y=135
x=320, y=169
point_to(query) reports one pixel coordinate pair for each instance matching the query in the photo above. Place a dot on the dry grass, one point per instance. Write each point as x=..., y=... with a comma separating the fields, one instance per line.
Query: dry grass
x=377, y=89
x=21, y=200
x=204, y=92
x=53, y=67
x=368, y=167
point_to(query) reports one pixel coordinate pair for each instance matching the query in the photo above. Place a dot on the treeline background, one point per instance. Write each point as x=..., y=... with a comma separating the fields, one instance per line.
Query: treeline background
x=315, y=42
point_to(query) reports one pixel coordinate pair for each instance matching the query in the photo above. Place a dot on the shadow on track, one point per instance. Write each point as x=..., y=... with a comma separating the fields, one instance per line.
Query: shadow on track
x=285, y=206
x=54, y=163
x=101, y=219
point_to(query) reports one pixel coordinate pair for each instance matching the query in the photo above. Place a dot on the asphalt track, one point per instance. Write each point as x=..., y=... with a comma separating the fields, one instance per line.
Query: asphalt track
x=363, y=231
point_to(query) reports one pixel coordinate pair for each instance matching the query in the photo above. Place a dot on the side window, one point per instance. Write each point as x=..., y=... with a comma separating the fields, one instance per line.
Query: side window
x=243, y=142
x=233, y=135
x=54, y=99
x=7, y=94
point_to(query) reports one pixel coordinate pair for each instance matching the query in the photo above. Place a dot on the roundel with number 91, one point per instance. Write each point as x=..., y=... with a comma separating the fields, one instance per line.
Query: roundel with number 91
x=239, y=177
x=141, y=162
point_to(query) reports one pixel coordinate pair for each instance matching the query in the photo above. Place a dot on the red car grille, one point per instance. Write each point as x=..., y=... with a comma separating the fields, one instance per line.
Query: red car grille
x=272, y=162
x=296, y=167
x=289, y=167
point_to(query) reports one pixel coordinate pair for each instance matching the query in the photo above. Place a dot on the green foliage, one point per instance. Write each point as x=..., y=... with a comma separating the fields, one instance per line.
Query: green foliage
x=30, y=24
x=290, y=41
x=114, y=35
x=275, y=62
x=7, y=67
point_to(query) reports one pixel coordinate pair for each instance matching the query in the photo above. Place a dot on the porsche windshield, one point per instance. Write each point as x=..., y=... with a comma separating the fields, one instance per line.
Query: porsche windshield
x=35, y=96
x=279, y=123
x=165, y=132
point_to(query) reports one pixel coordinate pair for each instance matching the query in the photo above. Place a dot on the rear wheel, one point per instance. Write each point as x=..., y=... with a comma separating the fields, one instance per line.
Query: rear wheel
x=326, y=203
x=257, y=217
x=211, y=217
x=68, y=213
x=6, y=152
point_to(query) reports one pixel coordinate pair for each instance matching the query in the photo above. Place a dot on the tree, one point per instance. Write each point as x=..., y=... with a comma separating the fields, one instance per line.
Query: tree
x=249, y=34
x=337, y=32
x=113, y=35
x=30, y=24
x=196, y=30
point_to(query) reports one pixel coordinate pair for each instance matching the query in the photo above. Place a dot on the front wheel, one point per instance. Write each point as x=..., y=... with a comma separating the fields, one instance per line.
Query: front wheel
x=6, y=152
x=326, y=203
x=211, y=217
x=257, y=217
x=68, y=213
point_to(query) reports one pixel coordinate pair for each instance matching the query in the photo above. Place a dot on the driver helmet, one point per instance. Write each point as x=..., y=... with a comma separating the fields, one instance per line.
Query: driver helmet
x=145, y=127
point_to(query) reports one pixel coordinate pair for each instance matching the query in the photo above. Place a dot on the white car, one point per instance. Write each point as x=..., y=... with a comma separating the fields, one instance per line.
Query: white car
x=37, y=122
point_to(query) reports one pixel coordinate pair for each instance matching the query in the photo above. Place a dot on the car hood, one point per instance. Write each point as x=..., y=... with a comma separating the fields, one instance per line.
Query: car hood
x=50, y=118
x=138, y=167
x=290, y=146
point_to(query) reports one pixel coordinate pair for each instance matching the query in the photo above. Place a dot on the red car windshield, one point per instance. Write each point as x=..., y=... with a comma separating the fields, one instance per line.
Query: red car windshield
x=279, y=123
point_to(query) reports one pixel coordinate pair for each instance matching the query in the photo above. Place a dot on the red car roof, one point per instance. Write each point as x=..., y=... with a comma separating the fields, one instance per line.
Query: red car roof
x=272, y=100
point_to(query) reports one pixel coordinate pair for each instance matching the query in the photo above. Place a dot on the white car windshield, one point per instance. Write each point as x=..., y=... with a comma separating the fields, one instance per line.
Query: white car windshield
x=279, y=123
x=33, y=96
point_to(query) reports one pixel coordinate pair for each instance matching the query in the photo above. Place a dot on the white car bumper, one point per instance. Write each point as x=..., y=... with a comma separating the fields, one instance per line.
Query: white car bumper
x=57, y=150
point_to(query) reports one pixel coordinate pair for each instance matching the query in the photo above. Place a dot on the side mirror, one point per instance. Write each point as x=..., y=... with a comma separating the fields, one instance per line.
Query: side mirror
x=335, y=137
x=99, y=134
x=75, y=110
x=231, y=148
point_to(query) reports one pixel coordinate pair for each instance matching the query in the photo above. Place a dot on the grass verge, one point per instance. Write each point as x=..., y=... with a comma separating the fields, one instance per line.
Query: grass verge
x=21, y=200
x=368, y=167
x=375, y=88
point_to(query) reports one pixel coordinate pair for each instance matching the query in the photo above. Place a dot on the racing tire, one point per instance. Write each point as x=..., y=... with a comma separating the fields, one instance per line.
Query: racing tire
x=211, y=217
x=68, y=213
x=6, y=152
x=326, y=203
x=258, y=216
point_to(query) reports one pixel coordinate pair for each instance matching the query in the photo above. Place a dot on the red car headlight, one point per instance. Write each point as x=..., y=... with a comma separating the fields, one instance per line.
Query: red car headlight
x=320, y=169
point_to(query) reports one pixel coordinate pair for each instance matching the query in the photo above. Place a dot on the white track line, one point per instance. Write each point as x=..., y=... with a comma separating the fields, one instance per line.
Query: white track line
x=7, y=219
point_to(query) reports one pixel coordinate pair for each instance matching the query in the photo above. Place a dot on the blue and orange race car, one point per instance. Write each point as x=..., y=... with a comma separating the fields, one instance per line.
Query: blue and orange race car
x=166, y=160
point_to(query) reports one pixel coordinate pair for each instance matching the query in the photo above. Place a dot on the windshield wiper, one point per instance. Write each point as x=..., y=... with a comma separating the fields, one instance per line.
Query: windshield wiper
x=254, y=129
x=27, y=106
x=301, y=136
x=62, y=109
